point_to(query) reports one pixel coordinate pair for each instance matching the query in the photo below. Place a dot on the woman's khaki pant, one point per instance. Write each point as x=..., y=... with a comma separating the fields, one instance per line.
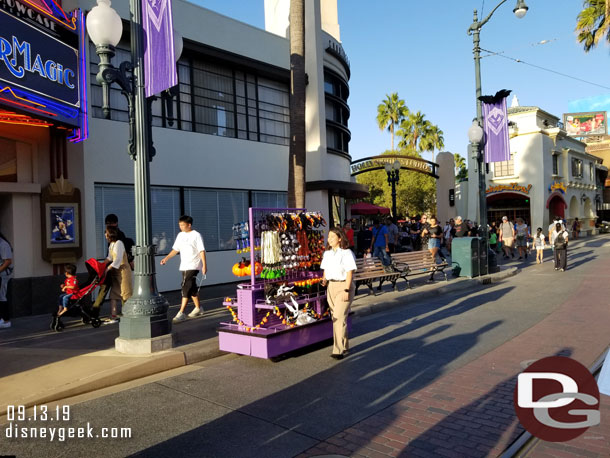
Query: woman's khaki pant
x=339, y=310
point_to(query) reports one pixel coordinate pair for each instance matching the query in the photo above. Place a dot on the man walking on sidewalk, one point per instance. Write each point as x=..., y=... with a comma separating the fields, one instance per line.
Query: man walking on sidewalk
x=192, y=258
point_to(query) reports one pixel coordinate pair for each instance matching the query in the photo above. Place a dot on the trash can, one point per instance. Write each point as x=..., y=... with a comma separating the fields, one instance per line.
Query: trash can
x=469, y=257
x=465, y=256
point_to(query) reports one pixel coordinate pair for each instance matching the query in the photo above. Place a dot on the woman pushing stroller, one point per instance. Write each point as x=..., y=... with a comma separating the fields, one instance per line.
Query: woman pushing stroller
x=119, y=271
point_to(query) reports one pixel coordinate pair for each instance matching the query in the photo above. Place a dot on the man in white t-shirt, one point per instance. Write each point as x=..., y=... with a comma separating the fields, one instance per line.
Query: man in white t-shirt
x=192, y=258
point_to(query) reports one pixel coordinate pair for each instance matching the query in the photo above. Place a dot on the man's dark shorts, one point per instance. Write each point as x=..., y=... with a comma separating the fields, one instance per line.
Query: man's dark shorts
x=189, y=283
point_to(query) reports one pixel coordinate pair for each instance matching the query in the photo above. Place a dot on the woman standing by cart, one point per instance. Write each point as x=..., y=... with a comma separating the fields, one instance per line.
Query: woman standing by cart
x=339, y=265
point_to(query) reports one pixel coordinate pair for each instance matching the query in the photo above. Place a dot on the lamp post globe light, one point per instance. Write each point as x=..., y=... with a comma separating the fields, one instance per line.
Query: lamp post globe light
x=393, y=171
x=144, y=327
x=475, y=132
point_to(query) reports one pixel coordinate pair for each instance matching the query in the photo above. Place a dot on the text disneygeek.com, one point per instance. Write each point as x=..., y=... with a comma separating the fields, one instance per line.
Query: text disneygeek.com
x=21, y=425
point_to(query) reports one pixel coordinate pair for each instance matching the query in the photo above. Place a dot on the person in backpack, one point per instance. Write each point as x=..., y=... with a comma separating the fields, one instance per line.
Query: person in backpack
x=539, y=244
x=6, y=272
x=559, y=239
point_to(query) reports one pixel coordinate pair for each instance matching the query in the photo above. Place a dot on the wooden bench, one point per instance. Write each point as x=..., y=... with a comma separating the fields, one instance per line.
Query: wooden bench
x=370, y=270
x=417, y=263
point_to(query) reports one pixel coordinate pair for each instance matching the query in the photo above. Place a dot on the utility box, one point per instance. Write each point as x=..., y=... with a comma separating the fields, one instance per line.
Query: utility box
x=469, y=256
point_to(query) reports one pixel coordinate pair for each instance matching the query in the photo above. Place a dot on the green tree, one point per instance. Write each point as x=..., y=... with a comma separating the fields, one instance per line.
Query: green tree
x=415, y=192
x=297, y=156
x=461, y=170
x=411, y=130
x=432, y=139
x=390, y=112
x=593, y=23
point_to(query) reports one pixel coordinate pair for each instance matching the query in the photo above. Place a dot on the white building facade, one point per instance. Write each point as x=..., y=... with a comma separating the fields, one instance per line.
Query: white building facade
x=224, y=149
x=549, y=174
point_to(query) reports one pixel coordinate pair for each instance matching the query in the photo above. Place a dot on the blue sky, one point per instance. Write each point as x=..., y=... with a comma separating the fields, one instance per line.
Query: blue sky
x=421, y=50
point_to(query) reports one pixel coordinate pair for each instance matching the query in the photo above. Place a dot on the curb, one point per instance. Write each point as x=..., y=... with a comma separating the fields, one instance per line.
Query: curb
x=203, y=351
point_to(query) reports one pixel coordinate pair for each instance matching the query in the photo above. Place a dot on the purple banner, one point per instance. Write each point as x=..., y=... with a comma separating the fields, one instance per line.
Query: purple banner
x=495, y=126
x=159, y=62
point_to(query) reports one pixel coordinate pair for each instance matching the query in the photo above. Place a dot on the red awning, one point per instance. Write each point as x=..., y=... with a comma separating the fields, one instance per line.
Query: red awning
x=364, y=208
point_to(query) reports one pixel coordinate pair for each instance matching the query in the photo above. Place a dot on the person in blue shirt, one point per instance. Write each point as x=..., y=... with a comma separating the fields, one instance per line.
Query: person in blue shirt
x=380, y=243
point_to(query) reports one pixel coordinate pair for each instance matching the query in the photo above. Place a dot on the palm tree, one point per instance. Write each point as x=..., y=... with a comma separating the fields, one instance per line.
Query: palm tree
x=432, y=139
x=411, y=130
x=296, y=160
x=391, y=112
x=460, y=162
x=593, y=23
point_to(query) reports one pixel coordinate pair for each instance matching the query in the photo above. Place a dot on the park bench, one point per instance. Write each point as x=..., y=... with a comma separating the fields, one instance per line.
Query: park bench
x=370, y=270
x=417, y=263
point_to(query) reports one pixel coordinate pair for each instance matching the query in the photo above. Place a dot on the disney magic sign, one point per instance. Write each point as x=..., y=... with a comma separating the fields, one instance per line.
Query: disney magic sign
x=38, y=62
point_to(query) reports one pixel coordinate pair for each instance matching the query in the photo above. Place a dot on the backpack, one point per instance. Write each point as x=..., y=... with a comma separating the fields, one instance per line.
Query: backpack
x=560, y=241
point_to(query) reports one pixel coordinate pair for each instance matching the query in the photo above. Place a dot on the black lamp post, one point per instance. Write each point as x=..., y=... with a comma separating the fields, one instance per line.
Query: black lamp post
x=144, y=326
x=393, y=171
x=475, y=132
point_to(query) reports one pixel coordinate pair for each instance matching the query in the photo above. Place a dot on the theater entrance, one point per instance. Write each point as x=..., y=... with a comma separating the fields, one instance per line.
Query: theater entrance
x=511, y=205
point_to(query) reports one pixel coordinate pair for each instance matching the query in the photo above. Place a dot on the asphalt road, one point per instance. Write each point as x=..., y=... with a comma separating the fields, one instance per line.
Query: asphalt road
x=245, y=407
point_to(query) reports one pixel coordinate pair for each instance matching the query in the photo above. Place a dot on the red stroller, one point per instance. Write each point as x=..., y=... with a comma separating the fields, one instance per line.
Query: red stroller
x=97, y=275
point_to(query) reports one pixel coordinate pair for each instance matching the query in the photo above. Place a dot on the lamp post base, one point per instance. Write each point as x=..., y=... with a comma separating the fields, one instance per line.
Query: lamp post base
x=145, y=318
x=144, y=346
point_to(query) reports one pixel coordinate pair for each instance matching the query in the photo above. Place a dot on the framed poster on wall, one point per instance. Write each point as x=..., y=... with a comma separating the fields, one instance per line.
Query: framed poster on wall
x=62, y=223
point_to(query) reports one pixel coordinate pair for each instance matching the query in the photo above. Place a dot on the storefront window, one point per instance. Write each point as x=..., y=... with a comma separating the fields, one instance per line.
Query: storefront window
x=262, y=199
x=119, y=199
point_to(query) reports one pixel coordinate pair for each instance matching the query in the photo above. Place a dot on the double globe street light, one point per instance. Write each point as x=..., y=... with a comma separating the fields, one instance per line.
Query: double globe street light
x=393, y=171
x=144, y=327
x=475, y=132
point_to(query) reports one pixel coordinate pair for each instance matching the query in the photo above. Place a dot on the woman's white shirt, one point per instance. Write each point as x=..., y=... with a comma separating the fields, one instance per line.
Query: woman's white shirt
x=116, y=250
x=336, y=263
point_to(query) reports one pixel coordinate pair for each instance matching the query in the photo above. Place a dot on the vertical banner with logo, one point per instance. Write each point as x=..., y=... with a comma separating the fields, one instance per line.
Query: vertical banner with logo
x=159, y=62
x=495, y=126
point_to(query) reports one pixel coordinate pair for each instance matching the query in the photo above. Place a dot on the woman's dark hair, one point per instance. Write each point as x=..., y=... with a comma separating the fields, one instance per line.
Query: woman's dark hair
x=6, y=240
x=113, y=233
x=558, y=227
x=70, y=269
x=186, y=219
x=343, y=242
x=111, y=218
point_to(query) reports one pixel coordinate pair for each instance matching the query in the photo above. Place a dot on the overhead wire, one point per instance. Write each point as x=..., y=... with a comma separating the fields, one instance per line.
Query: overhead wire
x=520, y=61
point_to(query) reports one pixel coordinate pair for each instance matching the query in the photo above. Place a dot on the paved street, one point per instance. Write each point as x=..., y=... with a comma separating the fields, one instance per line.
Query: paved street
x=414, y=373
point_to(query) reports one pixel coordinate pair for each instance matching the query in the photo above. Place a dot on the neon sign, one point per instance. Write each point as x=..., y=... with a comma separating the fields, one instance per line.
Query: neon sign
x=43, y=66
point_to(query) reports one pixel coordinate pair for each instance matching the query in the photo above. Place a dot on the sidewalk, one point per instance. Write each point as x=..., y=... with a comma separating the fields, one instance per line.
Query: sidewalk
x=40, y=366
x=469, y=412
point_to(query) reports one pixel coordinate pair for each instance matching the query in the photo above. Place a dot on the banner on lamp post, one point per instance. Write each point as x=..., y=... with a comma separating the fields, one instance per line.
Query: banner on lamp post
x=495, y=126
x=159, y=61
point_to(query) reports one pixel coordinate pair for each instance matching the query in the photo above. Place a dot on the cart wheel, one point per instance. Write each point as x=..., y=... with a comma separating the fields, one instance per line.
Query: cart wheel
x=96, y=322
x=86, y=320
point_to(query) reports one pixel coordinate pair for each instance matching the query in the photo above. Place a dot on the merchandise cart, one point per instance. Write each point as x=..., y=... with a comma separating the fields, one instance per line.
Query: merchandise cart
x=283, y=307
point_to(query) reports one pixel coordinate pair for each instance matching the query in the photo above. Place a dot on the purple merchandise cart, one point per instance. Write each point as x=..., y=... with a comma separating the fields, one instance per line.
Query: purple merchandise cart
x=272, y=337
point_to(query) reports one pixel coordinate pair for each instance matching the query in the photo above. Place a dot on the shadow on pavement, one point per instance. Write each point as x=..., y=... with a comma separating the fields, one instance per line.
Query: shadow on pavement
x=378, y=374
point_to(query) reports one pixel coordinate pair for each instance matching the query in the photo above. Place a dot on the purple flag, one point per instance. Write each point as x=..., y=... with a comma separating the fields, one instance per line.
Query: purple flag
x=495, y=126
x=159, y=62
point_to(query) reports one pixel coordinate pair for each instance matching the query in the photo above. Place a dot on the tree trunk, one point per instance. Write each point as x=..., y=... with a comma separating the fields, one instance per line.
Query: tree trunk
x=297, y=156
x=392, y=133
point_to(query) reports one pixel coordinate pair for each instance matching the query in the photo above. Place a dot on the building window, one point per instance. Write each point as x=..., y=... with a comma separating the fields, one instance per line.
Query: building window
x=213, y=99
x=577, y=167
x=263, y=199
x=555, y=164
x=119, y=199
x=337, y=113
x=505, y=168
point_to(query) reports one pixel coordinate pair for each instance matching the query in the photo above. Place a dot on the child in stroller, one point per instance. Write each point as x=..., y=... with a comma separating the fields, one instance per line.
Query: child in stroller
x=70, y=304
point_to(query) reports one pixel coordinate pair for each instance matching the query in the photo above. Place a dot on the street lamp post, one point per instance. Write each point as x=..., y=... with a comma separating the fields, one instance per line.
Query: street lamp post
x=475, y=132
x=144, y=326
x=393, y=171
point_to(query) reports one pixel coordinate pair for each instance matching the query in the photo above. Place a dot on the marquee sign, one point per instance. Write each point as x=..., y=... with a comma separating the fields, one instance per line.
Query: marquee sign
x=512, y=187
x=416, y=164
x=42, y=63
